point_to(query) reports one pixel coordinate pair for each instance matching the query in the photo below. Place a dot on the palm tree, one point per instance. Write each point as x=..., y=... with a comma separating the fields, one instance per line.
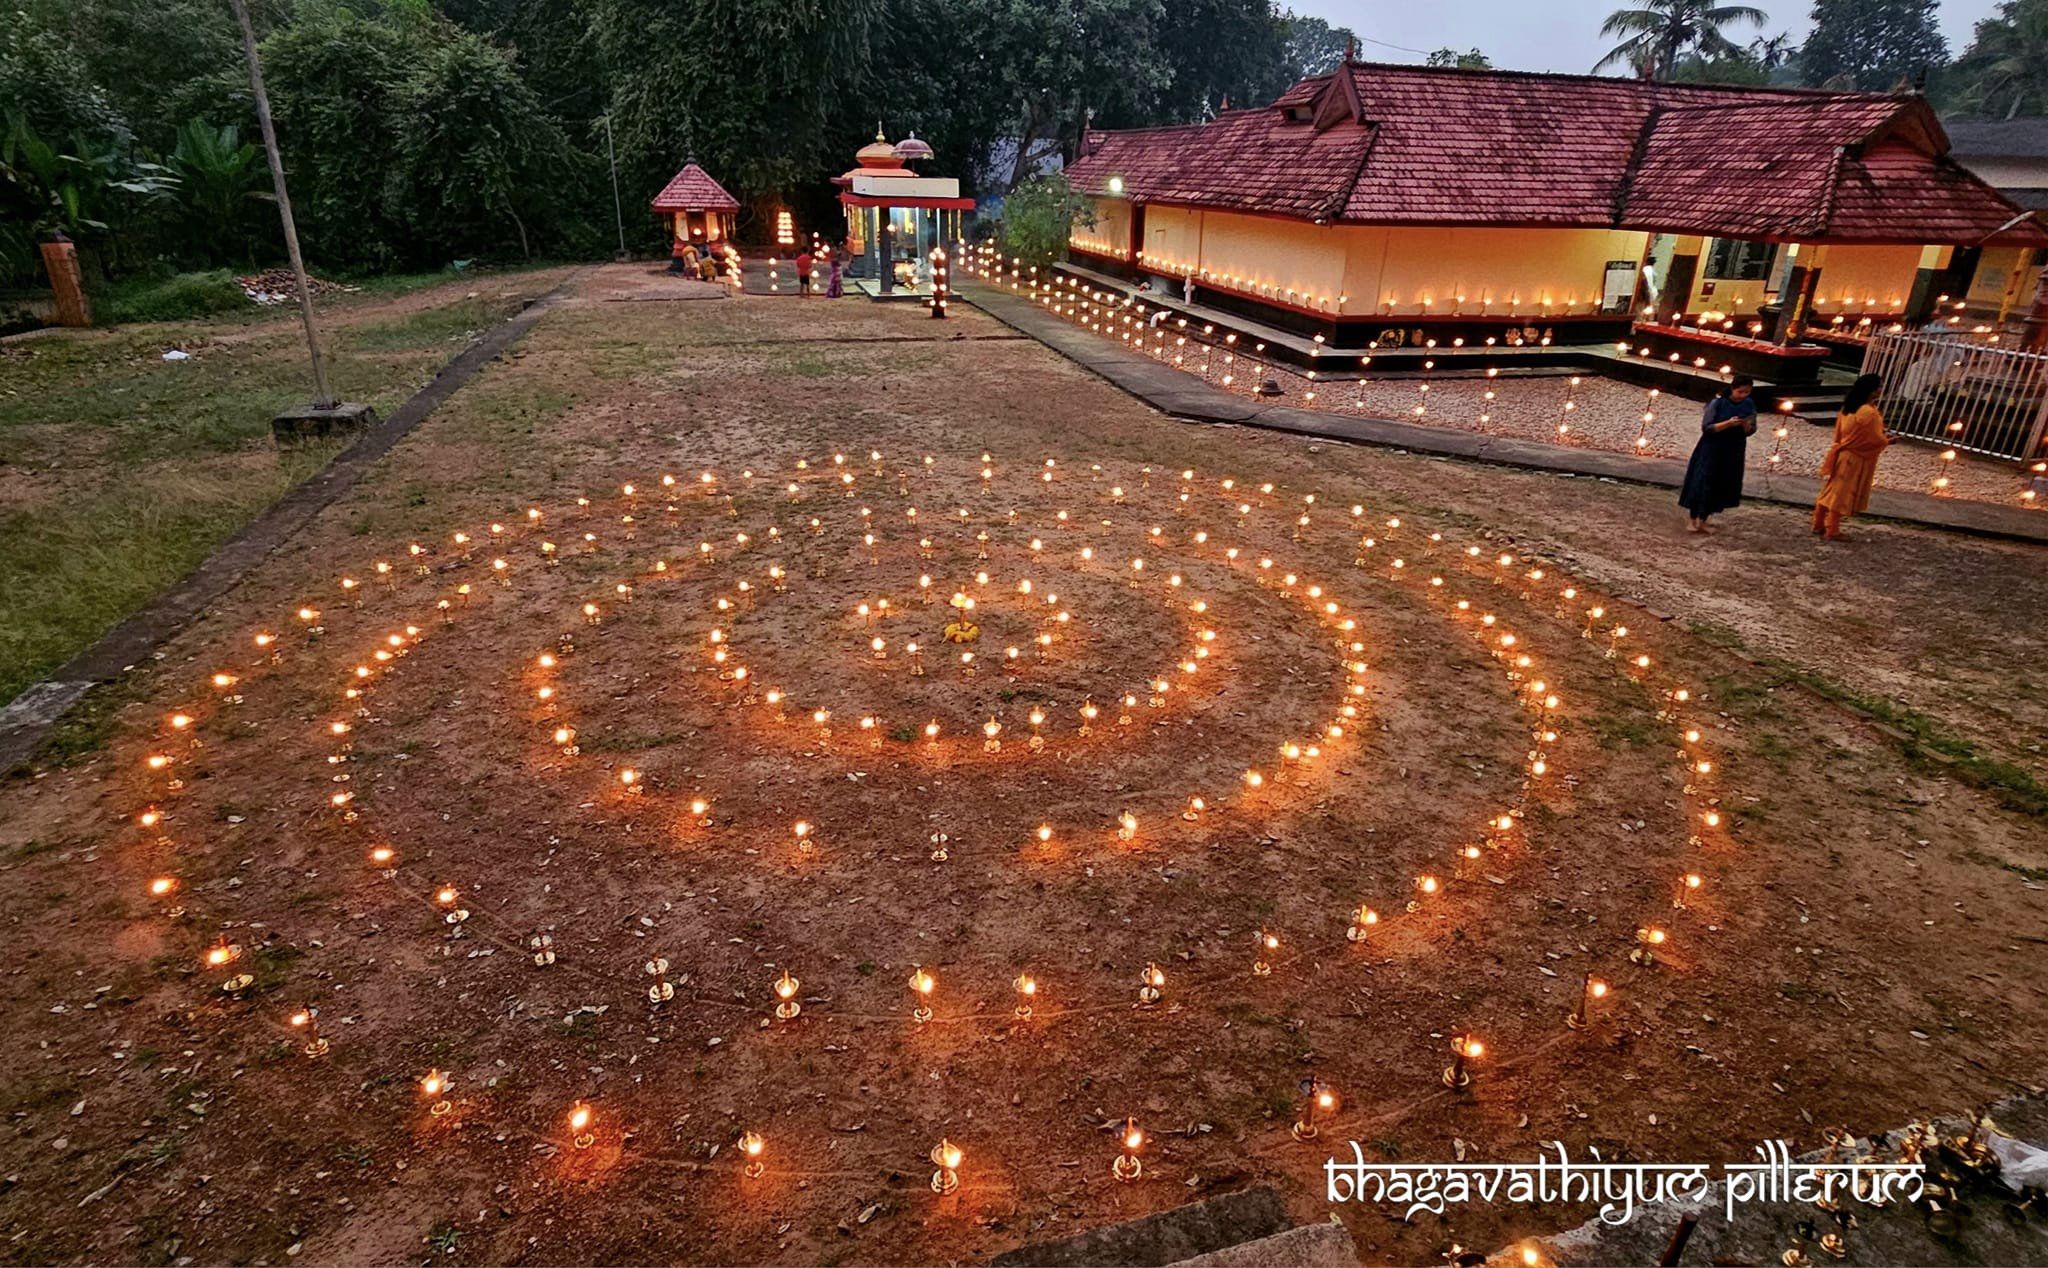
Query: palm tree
x=2006, y=66
x=1657, y=33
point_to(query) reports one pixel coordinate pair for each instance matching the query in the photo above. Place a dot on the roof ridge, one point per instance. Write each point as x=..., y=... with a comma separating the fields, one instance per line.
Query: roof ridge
x=1834, y=187
x=1500, y=72
x=1636, y=150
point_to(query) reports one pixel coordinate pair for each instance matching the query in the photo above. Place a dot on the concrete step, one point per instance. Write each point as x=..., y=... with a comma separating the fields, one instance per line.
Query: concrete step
x=1309, y=1246
x=1184, y=1234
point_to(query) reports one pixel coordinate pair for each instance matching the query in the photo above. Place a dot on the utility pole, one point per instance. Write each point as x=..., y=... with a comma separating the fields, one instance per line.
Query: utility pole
x=618, y=210
x=325, y=415
x=322, y=398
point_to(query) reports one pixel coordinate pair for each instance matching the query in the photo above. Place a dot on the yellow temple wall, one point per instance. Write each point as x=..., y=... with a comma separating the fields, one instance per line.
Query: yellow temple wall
x=1400, y=271
x=1287, y=261
x=1860, y=279
x=2000, y=280
x=1111, y=234
x=1364, y=270
x=1393, y=270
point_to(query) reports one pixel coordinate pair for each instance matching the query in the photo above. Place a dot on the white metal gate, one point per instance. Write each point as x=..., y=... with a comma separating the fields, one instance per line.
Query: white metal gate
x=1960, y=391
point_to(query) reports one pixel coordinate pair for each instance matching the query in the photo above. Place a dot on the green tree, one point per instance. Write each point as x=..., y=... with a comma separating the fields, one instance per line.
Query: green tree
x=2004, y=72
x=1314, y=47
x=1221, y=50
x=1061, y=62
x=335, y=79
x=1740, y=68
x=1872, y=44
x=756, y=89
x=1039, y=215
x=1657, y=33
x=475, y=152
x=1471, y=59
x=221, y=180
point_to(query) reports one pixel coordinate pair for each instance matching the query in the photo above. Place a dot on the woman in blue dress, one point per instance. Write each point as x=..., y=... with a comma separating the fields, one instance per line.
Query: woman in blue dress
x=1713, y=479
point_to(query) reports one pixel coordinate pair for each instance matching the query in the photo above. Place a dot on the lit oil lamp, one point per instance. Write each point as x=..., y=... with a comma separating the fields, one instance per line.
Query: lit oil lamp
x=1320, y=1099
x=922, y=984
x=946, y=1156
x=1151, y=984
x=1648, y=939
x=1464, y=1049
x=1590, y=990
x=1130, y=1140
x=306, y=1020
x=1027, y=992
x=434, y=1086
x=1362, y=922
x=1687, y=884
x=785, y=991
x=1267, y=943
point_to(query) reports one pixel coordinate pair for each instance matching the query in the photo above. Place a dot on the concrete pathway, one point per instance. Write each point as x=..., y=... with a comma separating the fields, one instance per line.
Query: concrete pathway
x=1184, y=396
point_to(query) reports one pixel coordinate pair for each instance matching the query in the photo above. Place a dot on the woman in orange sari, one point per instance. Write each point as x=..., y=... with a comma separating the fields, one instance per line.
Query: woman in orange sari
x=1851, y=465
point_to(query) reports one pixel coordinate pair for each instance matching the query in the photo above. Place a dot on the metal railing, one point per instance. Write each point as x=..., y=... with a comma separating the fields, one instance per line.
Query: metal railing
x=1961, y=392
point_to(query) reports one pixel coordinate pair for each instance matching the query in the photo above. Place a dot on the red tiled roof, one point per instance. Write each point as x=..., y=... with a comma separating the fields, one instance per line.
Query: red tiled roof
x=1422, y=145
x=692, y=189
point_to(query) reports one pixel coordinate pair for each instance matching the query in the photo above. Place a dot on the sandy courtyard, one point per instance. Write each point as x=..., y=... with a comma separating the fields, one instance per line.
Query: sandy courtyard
x=560, y=853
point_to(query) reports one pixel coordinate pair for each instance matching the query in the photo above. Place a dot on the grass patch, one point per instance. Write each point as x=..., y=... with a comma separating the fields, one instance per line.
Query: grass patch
x=1615, y=732
x=126, y=470
x=2037, y=875
x=1922, y=739
x=180, y=297
x=103, y=554
x=1925, y=741
x=457, y=322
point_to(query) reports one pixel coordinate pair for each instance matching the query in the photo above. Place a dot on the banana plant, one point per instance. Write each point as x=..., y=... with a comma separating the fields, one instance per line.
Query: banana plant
x=71, y=189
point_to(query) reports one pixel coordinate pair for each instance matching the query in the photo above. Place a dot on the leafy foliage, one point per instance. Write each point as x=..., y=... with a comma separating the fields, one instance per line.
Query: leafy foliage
x=2004, y=72
x=1875, y=45
x=1314, y=47
x=179, y=297
x=1039, y=214
x=1471, y=59
x=223, y=181
x=1657, y=33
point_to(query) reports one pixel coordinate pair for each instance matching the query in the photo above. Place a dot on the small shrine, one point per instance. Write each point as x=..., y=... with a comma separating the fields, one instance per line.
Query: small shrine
x=698, y=208
x=896, y=219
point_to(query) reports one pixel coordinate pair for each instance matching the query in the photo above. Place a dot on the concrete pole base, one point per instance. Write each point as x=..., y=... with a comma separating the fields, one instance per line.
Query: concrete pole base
x=310, y=422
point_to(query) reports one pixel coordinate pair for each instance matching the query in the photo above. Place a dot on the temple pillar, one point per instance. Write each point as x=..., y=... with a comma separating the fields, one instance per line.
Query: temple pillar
x=885, y=250
x=1675, y=296
x=1800, y=285
x=2034, y=333
x=1931, y=282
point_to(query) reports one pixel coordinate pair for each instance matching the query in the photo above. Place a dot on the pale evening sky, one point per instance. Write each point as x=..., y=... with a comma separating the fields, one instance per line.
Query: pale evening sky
x=1554, y=35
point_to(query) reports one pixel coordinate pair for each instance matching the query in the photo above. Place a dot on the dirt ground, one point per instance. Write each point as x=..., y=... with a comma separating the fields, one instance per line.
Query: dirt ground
x=1863, y=945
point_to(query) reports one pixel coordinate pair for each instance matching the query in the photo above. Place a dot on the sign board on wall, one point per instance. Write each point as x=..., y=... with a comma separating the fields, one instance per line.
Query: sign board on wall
x=1619, y=291
x=905, y=186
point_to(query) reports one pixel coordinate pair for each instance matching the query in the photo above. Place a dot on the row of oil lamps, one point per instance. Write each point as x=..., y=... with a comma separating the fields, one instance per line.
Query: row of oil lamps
x=1465, y=1048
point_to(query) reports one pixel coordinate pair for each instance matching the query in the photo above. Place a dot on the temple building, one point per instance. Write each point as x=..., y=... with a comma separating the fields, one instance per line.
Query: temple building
x=1378, y=201
x=896, y=218
x=697, y=207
